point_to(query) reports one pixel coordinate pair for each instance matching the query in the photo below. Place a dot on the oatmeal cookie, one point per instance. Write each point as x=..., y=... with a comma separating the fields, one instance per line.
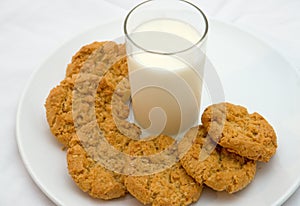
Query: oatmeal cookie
x=60, y=103
x=92, y=177
x=221, y=170
x=95, y=157
x=170, y=187
x=59, y=111
x=248, y=135
x=80, y=57
x=100, y=53
x=98, y=117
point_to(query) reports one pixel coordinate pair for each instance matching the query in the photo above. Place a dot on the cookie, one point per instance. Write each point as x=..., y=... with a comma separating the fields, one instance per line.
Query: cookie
x=172, y=186
x=92, y=177
x=80, y=57
x=60, y=103
x=248, y=135
x=95, y=55
x=221, y=170
x=98, y=117
x=59, y=111
x=95, y=157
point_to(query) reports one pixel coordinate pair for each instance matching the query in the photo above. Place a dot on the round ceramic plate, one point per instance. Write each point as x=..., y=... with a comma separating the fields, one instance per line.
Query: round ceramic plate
x=252, y=74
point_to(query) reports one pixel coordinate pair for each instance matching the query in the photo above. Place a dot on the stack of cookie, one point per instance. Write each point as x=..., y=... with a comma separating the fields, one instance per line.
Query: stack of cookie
x=232, y=139
x=239, y=140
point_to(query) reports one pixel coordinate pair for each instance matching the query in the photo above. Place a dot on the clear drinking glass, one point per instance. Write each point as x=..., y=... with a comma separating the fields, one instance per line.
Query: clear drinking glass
x=165, y=45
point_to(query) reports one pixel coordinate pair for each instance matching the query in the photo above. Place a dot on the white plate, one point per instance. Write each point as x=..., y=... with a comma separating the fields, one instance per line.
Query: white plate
x=252, y=74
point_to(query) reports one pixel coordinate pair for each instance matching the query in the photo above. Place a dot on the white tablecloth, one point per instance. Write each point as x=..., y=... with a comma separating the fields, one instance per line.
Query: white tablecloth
x=30, y=30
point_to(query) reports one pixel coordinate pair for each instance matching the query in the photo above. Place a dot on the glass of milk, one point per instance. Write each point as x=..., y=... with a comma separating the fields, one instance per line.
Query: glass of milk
x=165, y=46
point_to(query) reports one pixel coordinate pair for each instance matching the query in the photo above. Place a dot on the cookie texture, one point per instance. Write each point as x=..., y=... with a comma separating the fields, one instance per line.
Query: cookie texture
x=80, y=57
x=92, y=66
x=96, y=56
x=172, y=186
x=58, y=111
x=92, y=177
x=248, y=135
x=96, y=98
x=221, y=170
x=93, y=96
x=88, y=149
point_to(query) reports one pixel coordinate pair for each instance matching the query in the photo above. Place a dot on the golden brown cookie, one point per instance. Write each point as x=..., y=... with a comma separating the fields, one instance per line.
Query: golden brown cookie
x=170, y=187
x=80, y=57
x=248, y=135
x=92, y=177
x=93, y=162
x=221, y=170
x=87, y=149
x=59, y=111
x=99, y=54
x=60, y=103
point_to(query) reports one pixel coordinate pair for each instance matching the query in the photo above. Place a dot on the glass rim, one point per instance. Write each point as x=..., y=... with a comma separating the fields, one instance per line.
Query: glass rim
x=201, y=39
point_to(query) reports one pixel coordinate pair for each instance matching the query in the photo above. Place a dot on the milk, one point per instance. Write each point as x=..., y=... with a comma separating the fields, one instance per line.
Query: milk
x=166, y=77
